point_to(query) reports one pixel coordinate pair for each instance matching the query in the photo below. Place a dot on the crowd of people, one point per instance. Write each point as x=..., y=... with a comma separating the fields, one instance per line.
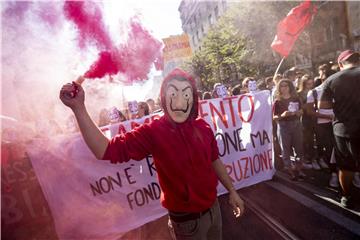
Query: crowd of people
x=306, y=133
x=303, y=132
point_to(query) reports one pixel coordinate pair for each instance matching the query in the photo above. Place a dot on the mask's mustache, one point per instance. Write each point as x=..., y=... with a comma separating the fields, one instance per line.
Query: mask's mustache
x=179, y=110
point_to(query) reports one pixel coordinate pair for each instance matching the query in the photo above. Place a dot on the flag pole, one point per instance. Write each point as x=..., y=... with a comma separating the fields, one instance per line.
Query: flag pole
x=278, y=67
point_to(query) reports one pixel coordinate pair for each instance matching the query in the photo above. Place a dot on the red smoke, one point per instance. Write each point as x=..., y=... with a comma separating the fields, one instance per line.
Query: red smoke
x=17, y=9
x=134, y=58
x=140, y=52
x=49, y=14
x=105, y=64
x=88, y=18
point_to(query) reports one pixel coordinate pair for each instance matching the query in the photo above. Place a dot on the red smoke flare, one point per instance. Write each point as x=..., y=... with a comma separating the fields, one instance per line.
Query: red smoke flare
x=88, y=18
x=105, y=64
x=140, y=52
x=134, y=59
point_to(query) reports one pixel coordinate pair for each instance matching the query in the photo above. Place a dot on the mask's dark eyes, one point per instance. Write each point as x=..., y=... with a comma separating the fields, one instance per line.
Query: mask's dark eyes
x=186, y=95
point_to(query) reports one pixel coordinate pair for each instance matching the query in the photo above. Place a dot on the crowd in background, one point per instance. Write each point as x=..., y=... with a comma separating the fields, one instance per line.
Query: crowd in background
x=305, y=140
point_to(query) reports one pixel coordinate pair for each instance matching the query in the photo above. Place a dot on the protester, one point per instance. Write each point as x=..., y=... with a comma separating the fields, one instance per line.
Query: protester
x=277, y=149
x=151, y=104
x=236, y=90
x=324, y=133
x=291, y=75
x=287, y=112
x=248, y=84
x=325, y=71
x=341, y=92
x=308, y=121
x=143, y=109
x=185, y=154
x=259, y=85
x=116, y=116
x=270, y=84
x=220, y=91
x=206, y=95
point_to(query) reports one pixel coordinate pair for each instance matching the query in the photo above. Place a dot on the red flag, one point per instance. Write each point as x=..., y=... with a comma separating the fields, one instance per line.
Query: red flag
x=289, y=29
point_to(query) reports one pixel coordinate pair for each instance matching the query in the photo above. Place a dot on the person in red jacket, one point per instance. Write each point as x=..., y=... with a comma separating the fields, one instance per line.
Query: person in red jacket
x=185, y=155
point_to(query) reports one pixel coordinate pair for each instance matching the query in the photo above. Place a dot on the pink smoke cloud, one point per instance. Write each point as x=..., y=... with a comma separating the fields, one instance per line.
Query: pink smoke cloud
x=87, y=17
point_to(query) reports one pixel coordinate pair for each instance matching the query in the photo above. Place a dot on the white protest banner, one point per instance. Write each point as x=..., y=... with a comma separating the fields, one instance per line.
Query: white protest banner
x=243, y=129
x=95, y=199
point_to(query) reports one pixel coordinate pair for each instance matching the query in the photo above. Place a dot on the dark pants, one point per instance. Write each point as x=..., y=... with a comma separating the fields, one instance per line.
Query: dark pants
x=325, y=143
x=347, y=152
x=308, y=138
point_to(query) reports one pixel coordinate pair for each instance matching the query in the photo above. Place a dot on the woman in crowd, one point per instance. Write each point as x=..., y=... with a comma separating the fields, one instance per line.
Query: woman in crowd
x=287, y=113
x=306, y=83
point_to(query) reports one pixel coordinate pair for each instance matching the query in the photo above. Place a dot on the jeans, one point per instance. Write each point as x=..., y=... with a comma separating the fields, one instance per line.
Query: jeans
x=208, y=226
x=290, y=136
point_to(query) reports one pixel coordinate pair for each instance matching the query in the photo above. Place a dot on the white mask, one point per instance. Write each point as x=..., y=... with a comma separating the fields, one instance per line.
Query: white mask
x=221, y=91
x=179, y=100
x=133, y=107
x=252, y=86
x=114, y=115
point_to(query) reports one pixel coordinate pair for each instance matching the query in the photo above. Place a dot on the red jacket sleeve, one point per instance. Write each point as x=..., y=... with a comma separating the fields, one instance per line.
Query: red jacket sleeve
x=213, y=143
x=135, y=144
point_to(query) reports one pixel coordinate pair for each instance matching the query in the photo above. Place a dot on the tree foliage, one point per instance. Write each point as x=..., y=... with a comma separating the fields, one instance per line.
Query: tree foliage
x=222, y=54
x=239, y=44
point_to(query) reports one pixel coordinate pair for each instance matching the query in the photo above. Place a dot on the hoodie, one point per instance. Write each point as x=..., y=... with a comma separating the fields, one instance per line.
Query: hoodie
x=182, y=152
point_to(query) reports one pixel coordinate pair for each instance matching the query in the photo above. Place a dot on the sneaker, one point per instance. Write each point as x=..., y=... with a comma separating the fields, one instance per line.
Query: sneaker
x=346, y=202
x=322, y=163
x=334, y=180
x=315, y=165
x=356, y=180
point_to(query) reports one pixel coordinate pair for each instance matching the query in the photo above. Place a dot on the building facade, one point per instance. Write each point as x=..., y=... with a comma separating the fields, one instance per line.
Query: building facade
x=353, y=13
x=197, y=17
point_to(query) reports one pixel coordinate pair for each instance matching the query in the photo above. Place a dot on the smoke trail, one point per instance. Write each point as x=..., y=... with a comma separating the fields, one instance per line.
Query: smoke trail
x=39, y=55
x=16, y=10
x=87, y=17
x=134, y=59
x=140, y=52
x=105, y=64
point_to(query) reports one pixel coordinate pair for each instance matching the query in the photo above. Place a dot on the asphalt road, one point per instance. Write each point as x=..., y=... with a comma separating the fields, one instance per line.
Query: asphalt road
x=280, y=209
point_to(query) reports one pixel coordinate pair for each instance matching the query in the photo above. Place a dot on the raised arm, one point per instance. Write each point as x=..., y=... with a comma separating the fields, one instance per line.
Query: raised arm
x=93, y=136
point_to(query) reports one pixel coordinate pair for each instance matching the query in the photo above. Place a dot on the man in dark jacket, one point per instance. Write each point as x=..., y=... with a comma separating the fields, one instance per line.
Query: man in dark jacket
x=341, y=91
